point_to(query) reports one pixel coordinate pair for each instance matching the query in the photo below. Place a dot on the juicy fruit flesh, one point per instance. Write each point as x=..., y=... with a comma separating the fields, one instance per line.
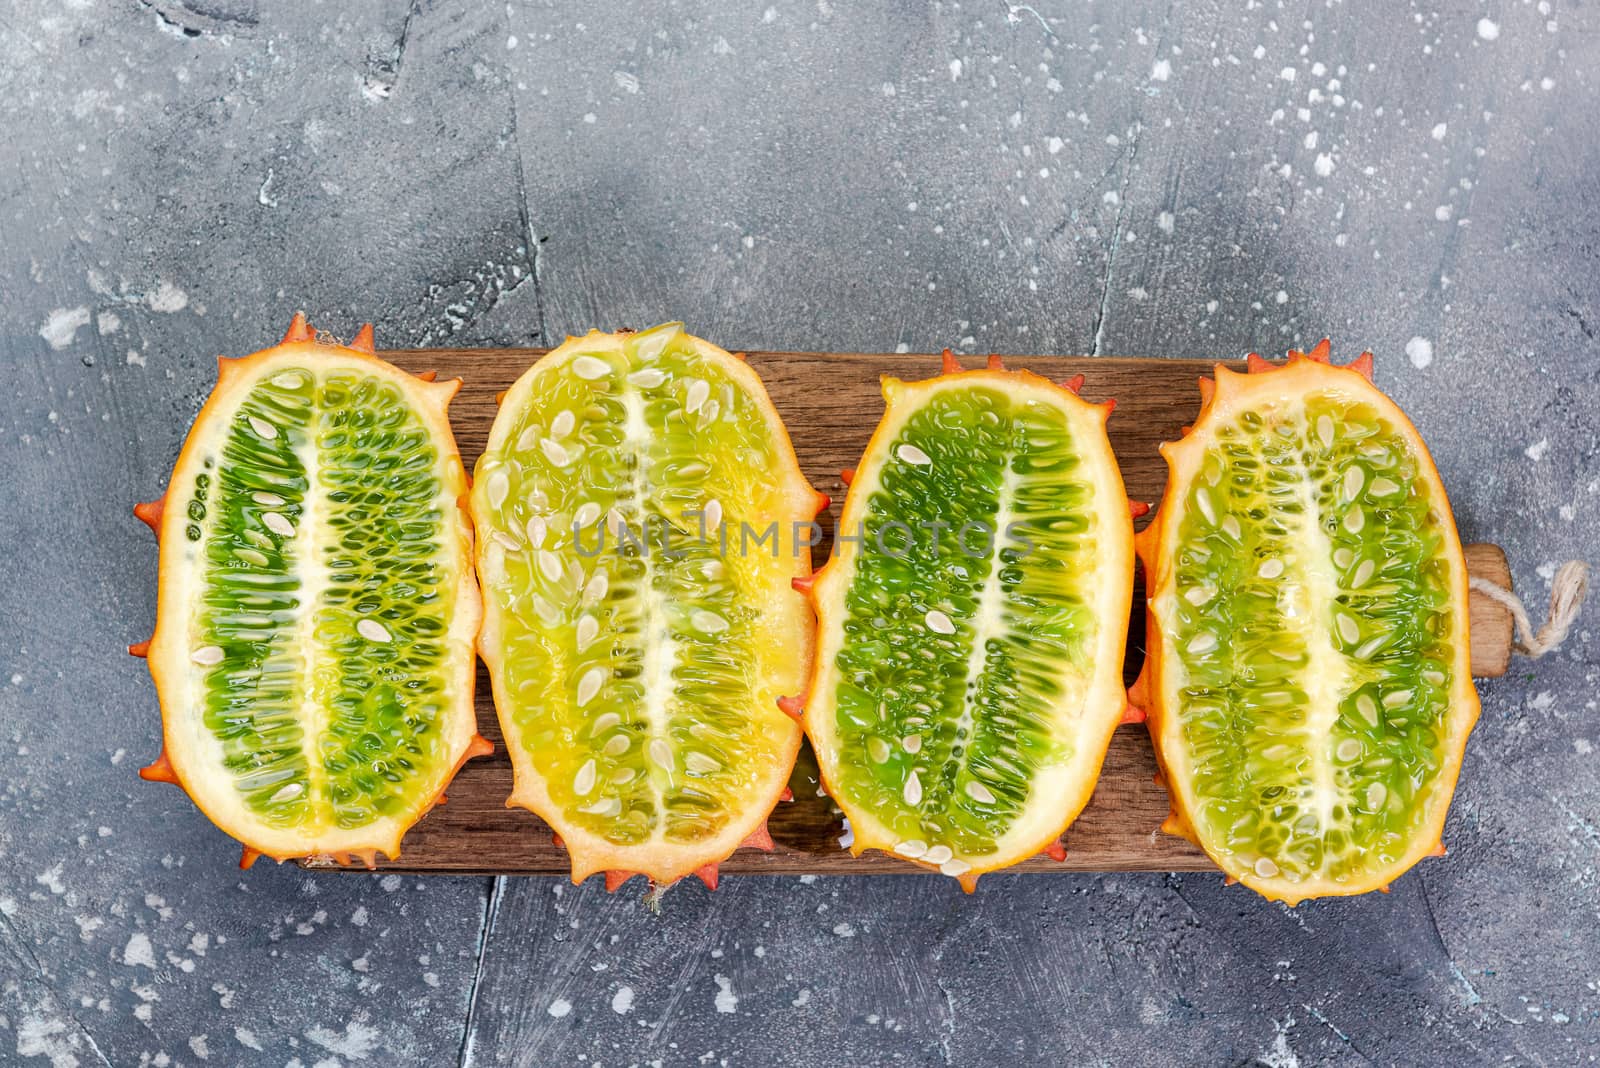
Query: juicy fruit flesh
x=321, y=613
x=636, y=652
x=963, y=657
x=1313, y=620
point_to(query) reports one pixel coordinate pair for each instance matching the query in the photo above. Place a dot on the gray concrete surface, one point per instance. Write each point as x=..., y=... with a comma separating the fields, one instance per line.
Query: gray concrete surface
x=1142, y=178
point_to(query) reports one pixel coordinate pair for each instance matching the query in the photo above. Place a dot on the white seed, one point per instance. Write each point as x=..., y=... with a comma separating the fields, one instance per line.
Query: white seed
x=701, y=764
x=278, y=524
x=590, y=368
x=1199, y=595
x=207, y=655
x=251, y=556
x=595, y=591
x=614, y=522
x=527, y=439
x=1325, y=430
x=289, y=380
x=1264, y=866
x=577, y=574
x=954, y=868
x=550, y=565
x=648, y=378
x=1202, y=643
x=980, y=793
x=562, y=425
x=499, y=486
x=1368, y=709
x=1348, y=749
x=289, y=791
x=713, y=514
x=266, y=500
x=1433, y=678
x=913, y=789
x=1343, y=557
x=1230, y=527
x=590, y=684
x=623, y=776
x=1202, y=501
x=1396, y=699
x=555, y=452
x=1348, y=630
x=699, y=392
x=1354, y=520
x=586, y=516
x=506, y=541
x=1363, y=574
x=1354, y=479
x=1382, y=487
x=661, y=754
x=938, y=622
x=911, y=743
x=606, y=806
x=1377, y=793
x=938, y=854
x=709, y=412
x=1370, y=646
x=264, y=430
x=708, y=622
x=604, y=722
x=617, y=745
x=912, y=849
x=913, y=455
x=373, y=631
x=1270, y=569
x=588, y=631
x=583, y=782
x=537, y=529
x=877, y=750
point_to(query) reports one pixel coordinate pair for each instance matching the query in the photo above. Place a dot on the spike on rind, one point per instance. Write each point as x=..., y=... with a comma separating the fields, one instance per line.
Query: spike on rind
x=823, y=501
x=1056, y=852
x=1137, y=509
x=847, y=476
x=793, y=707
x=707, y=874
x=787, y=795
x=428, y=376
x=479, y=746
x=1228, y=880
x=140, y=649
x=803, y=583
x=1319, y=353
x=500, y=397
x=1438, y=850
x=760, y=838
x=615, y=879
x=1073, y=384
x=969, y=882
x=299, y=329
x=248, y=857
x=1255, y=365
x=557, y=841
x=149, y=513
x=365, y=340
x=1110, y=405
x=1362, y=365
x=1208, y=389
x=995, y=362
x=948, y=364
x=1131, y=713
x=160, y=770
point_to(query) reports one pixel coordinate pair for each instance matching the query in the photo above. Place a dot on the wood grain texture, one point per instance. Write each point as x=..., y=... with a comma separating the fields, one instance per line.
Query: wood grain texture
x=831, y=403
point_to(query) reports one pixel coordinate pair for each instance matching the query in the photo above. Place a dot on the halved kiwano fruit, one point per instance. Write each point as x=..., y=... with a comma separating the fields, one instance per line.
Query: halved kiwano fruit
x=1308, y=676
x=642, y=515
x=972, y=624
x=314, y=634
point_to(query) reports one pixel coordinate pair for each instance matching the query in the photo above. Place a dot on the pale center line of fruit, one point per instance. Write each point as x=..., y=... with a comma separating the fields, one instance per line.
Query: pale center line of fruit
x=659, y=654
x=1326, y=676
x=313, y=701
x=989, y=619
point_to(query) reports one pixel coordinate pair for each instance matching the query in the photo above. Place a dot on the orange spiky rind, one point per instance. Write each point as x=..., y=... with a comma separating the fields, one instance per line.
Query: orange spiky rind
x=428, y=376
x=365, y=340
x=760, y=838
x=803, y=583
x=786, y=629
x=995, y=362
x=823, y=502
x=1073, y=384
x=1230, y=392
x=847, y=476
x=140, y=649
x=1138, y=509
x=182, y=763
x=707, y=873
x=793, y=707
x=948, y=364
x=615, y=879
x=1056, y=851
x=830, y=581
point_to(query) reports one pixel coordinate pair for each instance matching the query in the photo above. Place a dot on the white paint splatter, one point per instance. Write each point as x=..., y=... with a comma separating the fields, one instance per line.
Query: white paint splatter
x=1287, y=74
x=1488, y=29
x=628, y=83
x=357, y=1041
x=138, y=951
x=1161, y=71
x=622, y=1000
x=247, y=1038
x=197, y=1045
x=1420, y=350
x=844, y=930
x=61, y=324
x=1166, y=221
x=727, y=1000
x=1324, y=164
x=1440, y=130
x=559, y=1007
x=955, y=69
x=39, y=1037
x=108, y=322
x=167, y=298
x=1537, y=450
x=802, y=999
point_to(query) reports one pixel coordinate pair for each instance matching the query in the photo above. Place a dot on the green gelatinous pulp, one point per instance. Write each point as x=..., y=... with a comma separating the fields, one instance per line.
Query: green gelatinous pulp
x=940, y=734
x=320, y=513
x=1314, y=623
x=632, y=634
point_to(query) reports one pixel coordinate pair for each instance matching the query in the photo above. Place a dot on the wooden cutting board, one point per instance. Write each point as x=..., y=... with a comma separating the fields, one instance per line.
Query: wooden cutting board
x=831, y=402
